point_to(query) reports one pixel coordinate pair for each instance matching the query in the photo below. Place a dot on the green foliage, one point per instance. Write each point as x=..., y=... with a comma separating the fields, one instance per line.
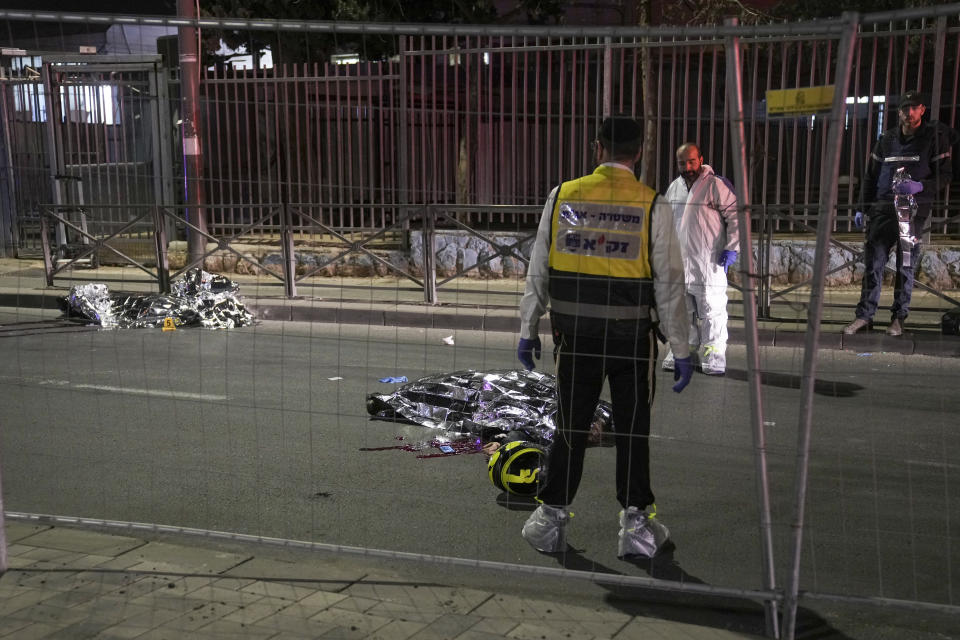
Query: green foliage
x=810, y=9
x=708, y=12
x=702, y=12
x=541, y=11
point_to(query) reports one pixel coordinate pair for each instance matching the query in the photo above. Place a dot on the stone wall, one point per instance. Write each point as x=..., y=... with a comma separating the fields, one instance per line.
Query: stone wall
x=791, y=260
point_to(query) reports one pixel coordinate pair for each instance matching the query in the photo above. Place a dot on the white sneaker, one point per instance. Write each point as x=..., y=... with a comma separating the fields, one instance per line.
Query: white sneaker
x=641, y=534
x=713, y=362
x=545, y=529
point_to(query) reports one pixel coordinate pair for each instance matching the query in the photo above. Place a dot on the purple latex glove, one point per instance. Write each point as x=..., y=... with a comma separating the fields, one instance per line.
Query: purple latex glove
x=858, y=219
x=527, y=350
x=727, y=258
x=682, y=372
x=908, y=187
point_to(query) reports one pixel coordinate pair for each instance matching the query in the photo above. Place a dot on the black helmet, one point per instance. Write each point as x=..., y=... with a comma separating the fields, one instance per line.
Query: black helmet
x=516, y=467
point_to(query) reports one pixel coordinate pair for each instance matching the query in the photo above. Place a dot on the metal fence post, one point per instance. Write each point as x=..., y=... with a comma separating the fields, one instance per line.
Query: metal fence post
x=749, y=279
x=936, y=92
x=829, y=175
x=764, y=242
x=939, y=52
x=607, y=98
x=160, y=242
x=289, y=256
x=53, y=143
x=3, y=531
x=165, y=141
x=429, y=266
x=402, y=133
x=8, y=198
x=45, y=244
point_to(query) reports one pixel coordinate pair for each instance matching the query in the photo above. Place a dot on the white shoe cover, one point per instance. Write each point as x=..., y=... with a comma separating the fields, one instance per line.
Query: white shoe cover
x=641, y=534
x=713, y=362
x=545, y=529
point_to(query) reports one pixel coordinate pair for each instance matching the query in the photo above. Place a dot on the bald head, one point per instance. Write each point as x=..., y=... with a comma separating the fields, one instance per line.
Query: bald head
x=689, y=161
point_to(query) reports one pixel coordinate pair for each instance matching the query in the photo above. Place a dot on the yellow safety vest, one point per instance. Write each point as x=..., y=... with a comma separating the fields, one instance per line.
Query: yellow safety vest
x=600, y=275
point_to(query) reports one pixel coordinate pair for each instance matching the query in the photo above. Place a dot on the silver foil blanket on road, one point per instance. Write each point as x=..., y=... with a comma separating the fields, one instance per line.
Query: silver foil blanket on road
x=196, y=299
x=481, y=403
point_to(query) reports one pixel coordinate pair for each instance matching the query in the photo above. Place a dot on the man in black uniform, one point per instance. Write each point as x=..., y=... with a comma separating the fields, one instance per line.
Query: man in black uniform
x=907, y=172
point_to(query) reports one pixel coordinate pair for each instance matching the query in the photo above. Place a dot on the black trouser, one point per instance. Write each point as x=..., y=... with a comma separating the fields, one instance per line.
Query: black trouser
x=582, y=364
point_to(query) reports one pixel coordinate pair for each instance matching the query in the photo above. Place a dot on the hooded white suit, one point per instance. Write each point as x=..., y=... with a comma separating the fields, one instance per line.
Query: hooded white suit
x=705, y=216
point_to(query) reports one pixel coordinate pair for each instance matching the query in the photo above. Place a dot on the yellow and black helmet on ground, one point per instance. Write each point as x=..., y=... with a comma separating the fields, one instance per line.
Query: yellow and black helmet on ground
x=516, y=467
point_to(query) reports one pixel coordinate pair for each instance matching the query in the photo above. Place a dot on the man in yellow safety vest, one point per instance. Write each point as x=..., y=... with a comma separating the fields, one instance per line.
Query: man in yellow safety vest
x=607, y=259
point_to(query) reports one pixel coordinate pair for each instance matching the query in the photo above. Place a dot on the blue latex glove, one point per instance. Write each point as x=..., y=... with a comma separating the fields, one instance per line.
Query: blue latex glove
x=527, y=350
x=727, y=258
x=682, y=372
x=909, y=187
x=858, y=219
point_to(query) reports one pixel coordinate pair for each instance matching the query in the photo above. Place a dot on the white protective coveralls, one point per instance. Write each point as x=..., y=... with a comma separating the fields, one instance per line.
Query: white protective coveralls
x=705, y=216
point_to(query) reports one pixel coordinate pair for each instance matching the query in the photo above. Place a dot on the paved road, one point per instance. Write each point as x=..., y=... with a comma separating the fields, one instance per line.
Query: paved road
x=247, y=431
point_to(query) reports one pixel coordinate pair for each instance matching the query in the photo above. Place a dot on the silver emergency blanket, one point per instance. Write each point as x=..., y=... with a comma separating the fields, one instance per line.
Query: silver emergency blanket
x=482, y=403
x=196, y=299
x=906, y=207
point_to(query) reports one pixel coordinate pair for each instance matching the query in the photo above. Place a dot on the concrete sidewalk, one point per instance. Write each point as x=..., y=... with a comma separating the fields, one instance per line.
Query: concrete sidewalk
x=491, y=305
x=73, y=583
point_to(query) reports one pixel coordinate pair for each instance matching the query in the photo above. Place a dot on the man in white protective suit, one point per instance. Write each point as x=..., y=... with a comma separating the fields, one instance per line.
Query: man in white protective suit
x=705, y=214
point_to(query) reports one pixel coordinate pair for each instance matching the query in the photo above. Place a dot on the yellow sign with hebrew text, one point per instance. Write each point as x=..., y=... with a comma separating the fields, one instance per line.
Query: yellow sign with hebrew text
x=800, y=102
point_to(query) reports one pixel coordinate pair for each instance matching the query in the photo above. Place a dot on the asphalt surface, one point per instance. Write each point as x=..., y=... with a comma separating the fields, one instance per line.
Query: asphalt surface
x=270, y=415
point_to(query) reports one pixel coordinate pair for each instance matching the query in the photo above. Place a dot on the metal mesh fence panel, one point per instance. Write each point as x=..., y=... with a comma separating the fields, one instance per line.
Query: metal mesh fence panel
x=310, y=167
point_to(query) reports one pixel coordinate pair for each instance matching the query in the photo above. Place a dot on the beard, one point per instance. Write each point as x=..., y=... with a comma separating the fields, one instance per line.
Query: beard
x=910, y=122
x=690, y=176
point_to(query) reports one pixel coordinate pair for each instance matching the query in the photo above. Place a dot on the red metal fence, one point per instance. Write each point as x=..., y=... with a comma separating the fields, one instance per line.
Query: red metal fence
x=482, y=118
